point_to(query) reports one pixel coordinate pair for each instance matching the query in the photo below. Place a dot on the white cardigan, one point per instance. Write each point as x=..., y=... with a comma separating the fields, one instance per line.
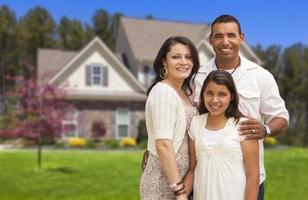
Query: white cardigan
x=165, y=116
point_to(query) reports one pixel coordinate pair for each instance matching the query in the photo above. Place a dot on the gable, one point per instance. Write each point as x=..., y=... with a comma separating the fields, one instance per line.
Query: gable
x=121, y=83
x=77, y=74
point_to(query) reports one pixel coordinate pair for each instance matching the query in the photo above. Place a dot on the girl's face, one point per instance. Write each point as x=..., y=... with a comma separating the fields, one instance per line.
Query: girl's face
x=216, y=98
x=178, y=62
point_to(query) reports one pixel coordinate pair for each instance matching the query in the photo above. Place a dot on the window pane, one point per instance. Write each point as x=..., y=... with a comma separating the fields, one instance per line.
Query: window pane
x=69, y=130
x=96, y=75
x=96, y=80
x=96, y=70
x=123, y=130
x=123, y=117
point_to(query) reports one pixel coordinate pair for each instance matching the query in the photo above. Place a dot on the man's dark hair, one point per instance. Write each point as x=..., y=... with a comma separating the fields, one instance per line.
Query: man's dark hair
x=226, y=19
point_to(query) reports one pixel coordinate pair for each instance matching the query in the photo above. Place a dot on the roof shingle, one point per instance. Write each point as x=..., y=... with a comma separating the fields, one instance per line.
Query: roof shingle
x=146, y=36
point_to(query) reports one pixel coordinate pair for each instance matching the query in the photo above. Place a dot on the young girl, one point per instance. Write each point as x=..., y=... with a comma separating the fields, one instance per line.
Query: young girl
x=223, y=164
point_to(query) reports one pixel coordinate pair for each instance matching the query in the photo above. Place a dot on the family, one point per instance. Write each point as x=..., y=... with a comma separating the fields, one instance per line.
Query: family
x=206, y=124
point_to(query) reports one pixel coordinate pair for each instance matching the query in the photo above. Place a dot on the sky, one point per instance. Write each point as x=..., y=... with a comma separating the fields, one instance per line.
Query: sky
x=265, y=22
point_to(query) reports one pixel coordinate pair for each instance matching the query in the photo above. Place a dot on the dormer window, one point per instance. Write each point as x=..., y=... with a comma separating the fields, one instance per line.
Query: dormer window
x=96, y=75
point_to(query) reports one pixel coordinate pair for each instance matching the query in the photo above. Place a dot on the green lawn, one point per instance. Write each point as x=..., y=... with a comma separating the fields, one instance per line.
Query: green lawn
x=104, y=175
x=287, y=174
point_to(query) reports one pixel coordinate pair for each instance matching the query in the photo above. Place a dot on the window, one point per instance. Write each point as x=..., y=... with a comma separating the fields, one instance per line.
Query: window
x=96, y=75
x=70, y=125
x=122, y=123
x=125, y=61
x=149, y=75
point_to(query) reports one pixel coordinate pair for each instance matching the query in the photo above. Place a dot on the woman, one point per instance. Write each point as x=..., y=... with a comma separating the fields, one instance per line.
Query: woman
x=168, y=112
x=227, y=166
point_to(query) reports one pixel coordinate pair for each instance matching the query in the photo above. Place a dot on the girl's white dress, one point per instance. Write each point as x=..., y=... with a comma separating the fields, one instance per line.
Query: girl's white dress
x=220, y=172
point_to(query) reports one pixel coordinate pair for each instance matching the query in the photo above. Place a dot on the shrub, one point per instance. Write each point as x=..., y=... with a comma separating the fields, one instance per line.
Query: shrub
x=142, y=131
x=76, y=142
x=98, y=130
x=112, y=143
x=270, y=141
x=28, y=143
x=59, y=144
x=90, y=144
x=143, y=144
x=128, y=142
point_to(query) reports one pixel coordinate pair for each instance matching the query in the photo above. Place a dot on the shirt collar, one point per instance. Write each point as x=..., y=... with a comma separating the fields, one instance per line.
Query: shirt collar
x=244, y=66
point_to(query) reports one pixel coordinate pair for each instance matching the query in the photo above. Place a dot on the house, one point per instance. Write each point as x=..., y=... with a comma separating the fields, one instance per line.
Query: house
x=99, y=86
x=111, y=86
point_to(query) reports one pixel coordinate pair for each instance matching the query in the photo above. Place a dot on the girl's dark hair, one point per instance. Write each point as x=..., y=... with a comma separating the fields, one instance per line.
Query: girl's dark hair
x=161, y=56
x=222, y=78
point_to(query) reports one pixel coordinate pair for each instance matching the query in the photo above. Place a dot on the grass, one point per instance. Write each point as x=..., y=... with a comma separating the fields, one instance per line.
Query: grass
x=66, y=175
x=108, y=175
x=287, y=174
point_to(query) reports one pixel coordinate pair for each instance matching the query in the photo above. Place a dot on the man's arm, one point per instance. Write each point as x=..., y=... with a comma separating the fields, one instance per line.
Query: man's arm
x=277, y=125
x=253, y=129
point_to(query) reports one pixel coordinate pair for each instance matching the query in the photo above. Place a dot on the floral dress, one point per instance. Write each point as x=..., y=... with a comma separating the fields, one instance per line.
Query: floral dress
x=153, y=183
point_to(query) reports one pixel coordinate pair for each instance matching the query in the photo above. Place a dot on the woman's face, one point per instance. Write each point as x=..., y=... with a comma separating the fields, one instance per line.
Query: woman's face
x=216, y=98
x=178, y=62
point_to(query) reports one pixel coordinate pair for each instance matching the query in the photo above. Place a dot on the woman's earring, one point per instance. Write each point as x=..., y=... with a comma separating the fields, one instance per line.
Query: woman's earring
x=163, y=73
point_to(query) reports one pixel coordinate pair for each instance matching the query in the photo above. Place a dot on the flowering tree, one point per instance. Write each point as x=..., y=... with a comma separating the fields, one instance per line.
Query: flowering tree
x=39, y=110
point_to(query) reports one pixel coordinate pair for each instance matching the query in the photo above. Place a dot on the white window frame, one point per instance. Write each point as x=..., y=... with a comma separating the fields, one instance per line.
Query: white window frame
x=72, y=121
x=118, y=123
x=100, y=75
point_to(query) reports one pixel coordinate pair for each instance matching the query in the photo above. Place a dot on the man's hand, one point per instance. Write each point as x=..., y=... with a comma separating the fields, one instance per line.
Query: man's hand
x=252, y=129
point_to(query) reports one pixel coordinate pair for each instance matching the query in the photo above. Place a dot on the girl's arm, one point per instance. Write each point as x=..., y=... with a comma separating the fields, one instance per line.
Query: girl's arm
x=251, y=161
x=189, y=178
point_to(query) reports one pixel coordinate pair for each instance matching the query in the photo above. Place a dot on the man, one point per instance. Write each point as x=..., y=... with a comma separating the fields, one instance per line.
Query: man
x=258, y=91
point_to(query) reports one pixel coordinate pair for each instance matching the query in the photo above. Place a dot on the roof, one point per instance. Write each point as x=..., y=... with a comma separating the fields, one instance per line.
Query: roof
x=59, y=62
x=145, y=36
x=51, y=61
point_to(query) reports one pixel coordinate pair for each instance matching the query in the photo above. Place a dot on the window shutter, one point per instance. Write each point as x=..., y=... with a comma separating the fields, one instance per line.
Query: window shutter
x=114, y=124
x=88, y=75
x=105, y=76
x=133, y=127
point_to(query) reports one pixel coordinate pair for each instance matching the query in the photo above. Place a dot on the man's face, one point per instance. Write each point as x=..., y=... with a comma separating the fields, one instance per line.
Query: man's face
x=226, y=41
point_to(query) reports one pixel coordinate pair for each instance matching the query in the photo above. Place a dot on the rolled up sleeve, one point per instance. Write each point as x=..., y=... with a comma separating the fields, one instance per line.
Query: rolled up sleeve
x=272, y=104
x=163, y=112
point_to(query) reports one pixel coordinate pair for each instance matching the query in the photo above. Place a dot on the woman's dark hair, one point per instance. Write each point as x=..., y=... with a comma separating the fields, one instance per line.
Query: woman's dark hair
x=222, y=78
x=161, y=56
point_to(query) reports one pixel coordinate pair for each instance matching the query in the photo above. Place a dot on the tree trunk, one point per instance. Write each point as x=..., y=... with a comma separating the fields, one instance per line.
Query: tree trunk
x=39, y=154
x=305, y=126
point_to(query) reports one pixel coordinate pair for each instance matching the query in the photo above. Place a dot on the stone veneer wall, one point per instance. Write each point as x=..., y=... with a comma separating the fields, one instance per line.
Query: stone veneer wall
x=90, y=111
